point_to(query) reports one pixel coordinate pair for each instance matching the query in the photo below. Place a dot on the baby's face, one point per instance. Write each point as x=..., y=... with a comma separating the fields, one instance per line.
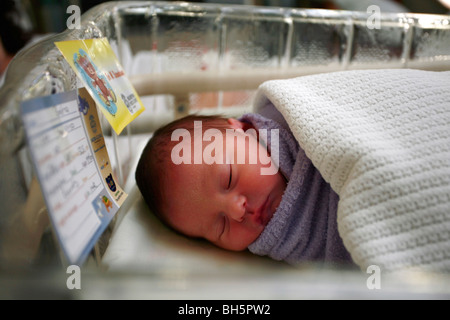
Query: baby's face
x=227, y=204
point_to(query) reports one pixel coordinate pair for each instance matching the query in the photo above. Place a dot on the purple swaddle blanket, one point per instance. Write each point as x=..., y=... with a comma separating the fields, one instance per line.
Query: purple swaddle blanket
x=304, y=227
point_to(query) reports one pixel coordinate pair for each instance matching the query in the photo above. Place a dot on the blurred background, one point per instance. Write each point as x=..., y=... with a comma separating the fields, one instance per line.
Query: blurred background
x=47, y=16
x=23, y=21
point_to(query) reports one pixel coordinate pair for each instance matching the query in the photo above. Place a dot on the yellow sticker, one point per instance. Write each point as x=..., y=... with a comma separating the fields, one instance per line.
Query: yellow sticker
x=98, y=68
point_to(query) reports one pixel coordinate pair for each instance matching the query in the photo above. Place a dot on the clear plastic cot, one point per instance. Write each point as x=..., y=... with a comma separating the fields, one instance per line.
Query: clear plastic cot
x=184, y=58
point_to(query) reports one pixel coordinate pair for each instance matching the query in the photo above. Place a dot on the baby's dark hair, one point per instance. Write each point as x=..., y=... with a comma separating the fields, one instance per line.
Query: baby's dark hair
x=154, y=160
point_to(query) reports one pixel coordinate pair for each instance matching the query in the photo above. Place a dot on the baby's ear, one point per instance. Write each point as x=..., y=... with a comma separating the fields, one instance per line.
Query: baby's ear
x=236, y=124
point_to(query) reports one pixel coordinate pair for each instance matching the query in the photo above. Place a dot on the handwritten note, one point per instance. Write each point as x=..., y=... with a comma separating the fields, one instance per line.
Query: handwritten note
x=66, y=145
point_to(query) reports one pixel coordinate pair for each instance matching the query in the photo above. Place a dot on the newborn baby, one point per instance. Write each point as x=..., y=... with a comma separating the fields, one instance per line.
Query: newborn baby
x=230, y=182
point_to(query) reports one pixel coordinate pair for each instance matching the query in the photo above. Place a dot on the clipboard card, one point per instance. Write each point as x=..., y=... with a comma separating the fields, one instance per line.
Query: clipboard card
x=73, y=168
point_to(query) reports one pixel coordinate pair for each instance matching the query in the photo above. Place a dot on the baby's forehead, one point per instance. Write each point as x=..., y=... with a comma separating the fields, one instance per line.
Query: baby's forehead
x=195, y=171
x=212, y=146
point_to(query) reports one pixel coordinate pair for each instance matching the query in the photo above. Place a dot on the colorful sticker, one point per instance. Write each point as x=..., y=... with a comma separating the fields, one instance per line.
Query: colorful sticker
x=97, y=66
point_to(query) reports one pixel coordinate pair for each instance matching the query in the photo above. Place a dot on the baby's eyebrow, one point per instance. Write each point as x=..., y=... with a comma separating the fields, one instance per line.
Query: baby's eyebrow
x=227, y=158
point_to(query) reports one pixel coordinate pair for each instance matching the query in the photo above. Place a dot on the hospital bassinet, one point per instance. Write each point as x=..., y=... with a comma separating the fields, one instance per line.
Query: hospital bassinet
x=183, y=58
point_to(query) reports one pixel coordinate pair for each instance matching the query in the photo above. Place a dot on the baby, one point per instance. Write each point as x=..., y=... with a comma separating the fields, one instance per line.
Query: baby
x=228, y=202
x=228, y=181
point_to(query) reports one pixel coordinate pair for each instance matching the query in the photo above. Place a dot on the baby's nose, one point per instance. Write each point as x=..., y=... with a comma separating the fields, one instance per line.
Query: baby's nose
x=238, y=208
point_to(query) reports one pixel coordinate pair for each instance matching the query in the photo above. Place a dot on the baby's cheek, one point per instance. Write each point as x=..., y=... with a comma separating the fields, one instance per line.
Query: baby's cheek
x=244, y=235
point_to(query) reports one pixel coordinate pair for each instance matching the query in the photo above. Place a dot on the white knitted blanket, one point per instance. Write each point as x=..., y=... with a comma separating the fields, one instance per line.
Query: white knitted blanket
x=381, y=138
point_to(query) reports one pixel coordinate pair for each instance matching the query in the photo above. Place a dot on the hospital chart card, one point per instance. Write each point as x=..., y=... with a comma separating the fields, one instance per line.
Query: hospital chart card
x=73, y=168
x=98, y=68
